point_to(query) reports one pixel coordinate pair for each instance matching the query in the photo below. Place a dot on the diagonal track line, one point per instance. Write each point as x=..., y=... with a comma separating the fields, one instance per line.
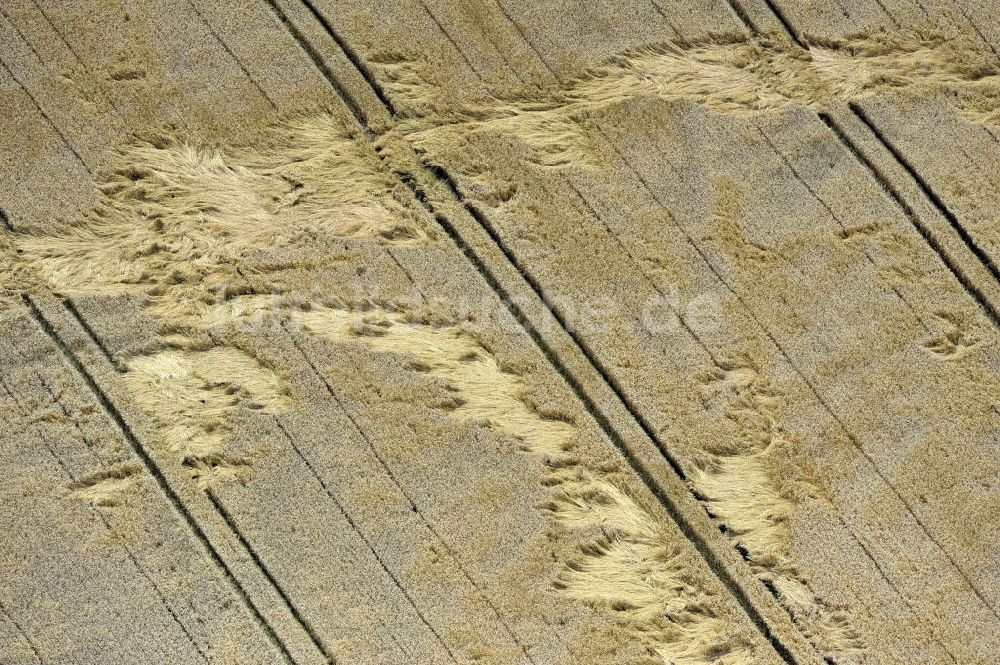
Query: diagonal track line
x=743, y=16
x=20, y=630
x=385, y=467
x=157, y=474
x=71, y=307
x=956, y=270
x=229, y=51
x=445, y=178
x=352, y=55
x=89, y=445
x=48, y=120
x=785, y=23
x=395, y=481
x=317, y=61
x=821, y=400
x=697, y=540
x=927, y=191
x=259, y=563
x=836, y=218
x=340, y=508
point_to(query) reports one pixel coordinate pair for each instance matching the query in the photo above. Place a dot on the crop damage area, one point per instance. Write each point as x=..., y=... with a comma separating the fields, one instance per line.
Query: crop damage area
x=484, y=347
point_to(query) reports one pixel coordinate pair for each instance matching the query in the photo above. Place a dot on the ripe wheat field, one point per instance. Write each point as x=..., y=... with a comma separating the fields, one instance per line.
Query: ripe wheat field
x=499, y=332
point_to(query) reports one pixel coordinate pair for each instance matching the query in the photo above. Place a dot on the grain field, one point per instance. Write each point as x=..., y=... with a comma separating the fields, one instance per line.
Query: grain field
x=494, y=332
